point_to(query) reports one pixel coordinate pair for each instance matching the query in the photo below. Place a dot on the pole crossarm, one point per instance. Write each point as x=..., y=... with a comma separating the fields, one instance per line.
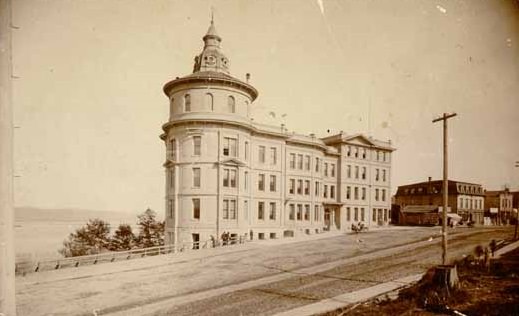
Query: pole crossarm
x=444, y=117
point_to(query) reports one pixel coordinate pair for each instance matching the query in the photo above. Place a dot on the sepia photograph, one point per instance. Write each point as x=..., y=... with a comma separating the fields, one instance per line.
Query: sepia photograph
x=234, y=157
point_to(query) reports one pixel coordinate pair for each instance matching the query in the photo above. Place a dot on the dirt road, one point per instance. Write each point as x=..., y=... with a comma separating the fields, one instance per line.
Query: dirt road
x=262, y=278
x=306, y=289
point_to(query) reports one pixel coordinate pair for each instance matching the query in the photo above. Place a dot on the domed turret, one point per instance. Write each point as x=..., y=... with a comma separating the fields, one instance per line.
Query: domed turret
x=212, y=58
x=210, y=89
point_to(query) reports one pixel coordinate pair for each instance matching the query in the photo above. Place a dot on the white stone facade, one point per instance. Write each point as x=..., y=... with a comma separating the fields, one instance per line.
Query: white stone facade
x=227, y=173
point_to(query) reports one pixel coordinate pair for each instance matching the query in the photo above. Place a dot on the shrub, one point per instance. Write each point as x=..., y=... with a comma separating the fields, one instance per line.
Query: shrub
x=93, y=238
x=151, y=231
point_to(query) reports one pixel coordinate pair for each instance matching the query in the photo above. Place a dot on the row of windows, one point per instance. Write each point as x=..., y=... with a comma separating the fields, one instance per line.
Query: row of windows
x=422, y=190
x=229, y=209
x=261, y=210
x=209, y=102
x=380, y=174
x=380, y=215
x=303, y=188
x=230, y=179
x=506, y=203
x=292, y=215
x=360, y=193
x=303, y=162
x=469, y=204
x=358, y=214
x=296, y=211
x=361, y=152
x=229, y=149
x=470, y=189
x=272, y=182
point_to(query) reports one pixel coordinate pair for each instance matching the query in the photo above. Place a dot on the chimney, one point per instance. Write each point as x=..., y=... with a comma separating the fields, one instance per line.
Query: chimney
x=247, y=76
x=430, y=179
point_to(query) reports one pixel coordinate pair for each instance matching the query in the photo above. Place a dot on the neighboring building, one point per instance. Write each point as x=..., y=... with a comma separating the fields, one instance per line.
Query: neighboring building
x=465, y=199
x=499, y=206
x=227, y=173
x=420, y=215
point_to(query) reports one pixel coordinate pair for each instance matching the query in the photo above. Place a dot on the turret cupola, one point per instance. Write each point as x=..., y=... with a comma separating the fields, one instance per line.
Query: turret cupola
x=212, y=58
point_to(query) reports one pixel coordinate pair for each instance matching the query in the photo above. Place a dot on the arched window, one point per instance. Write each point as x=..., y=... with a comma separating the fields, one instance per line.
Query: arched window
x=171, y=106
x=187, y=103
x=172, y=152
x=209, y=101
x=231, y=104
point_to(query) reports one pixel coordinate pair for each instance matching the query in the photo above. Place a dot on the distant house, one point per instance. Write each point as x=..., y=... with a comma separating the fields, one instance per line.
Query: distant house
x=465, y=199
x=499, y=206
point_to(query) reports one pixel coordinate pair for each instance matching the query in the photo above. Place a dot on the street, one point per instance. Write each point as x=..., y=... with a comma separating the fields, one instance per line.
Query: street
x=257, y=278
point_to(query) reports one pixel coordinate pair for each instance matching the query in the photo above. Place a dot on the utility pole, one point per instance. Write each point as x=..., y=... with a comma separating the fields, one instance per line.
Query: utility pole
x=444, y=118
x=7, y=255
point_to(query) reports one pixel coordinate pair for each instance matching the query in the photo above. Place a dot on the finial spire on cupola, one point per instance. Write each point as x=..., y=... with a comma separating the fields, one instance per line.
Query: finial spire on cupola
x=211, y=32
x=212, y=58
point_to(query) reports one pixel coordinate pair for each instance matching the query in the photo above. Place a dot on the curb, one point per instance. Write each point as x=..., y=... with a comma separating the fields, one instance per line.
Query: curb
x=506, y=249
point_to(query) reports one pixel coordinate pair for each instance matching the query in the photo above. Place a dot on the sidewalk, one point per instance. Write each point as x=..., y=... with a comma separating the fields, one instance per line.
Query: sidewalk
x=506, y=249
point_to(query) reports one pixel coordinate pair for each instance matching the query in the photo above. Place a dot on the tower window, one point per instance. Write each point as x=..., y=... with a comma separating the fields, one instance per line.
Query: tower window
x=171, y=104
x=196, y=177
x=231, y=104
x=209, y=101
x=172, y=149
x=187, y=103
x=197, y=141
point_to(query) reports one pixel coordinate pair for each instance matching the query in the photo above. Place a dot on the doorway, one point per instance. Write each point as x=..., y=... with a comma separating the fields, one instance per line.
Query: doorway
x=196, y=241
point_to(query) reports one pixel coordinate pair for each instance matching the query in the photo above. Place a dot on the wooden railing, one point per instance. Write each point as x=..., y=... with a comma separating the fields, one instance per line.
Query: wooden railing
x=27, y=265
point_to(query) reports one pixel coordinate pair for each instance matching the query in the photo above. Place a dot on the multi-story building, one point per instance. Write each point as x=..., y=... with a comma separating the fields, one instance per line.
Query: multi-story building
x=499, y=206
x=465, y=199
x=228, y=173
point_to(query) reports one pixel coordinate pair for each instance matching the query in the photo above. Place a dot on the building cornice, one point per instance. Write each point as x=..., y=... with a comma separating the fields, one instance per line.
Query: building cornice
x=211, y=78
x=253, y=128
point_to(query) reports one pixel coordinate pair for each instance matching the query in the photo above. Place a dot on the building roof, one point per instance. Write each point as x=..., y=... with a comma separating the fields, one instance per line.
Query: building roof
x=436, y=187
x=213, y=77
x=358, y=140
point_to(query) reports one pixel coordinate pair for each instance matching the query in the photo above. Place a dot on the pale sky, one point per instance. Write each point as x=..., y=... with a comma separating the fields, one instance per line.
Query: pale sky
x=89, y=104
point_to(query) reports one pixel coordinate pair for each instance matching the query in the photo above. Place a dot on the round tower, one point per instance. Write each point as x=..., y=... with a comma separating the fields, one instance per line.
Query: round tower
x=208, y=149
